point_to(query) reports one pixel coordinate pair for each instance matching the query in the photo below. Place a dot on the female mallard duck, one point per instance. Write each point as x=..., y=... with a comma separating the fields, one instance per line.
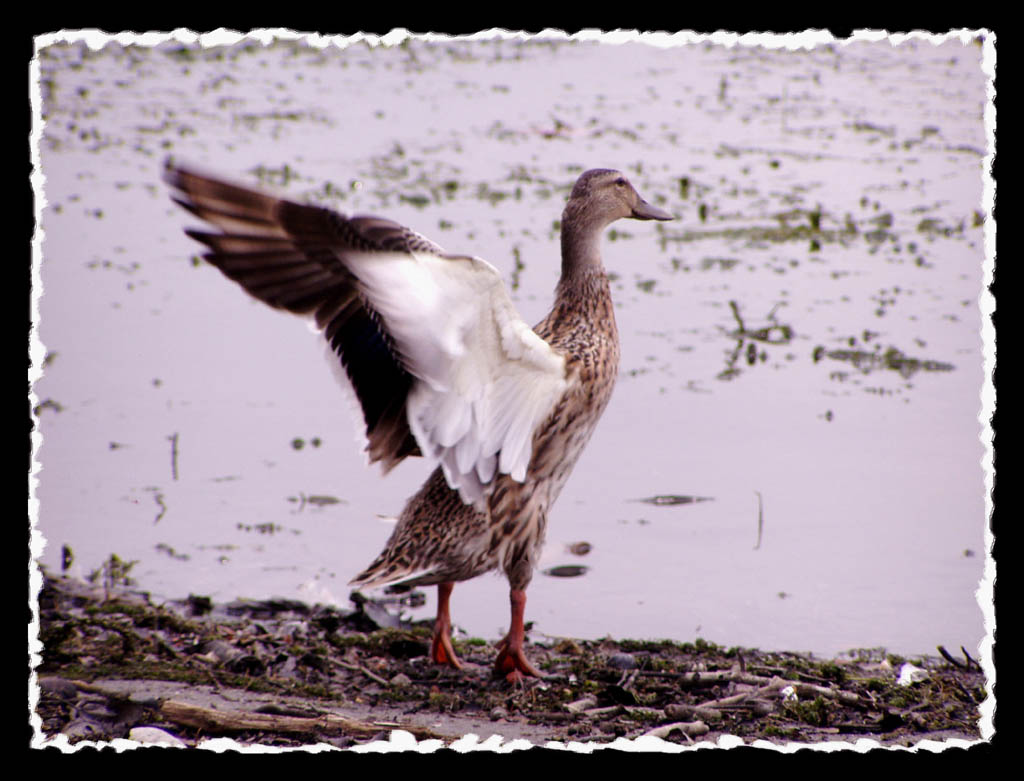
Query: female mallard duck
x=443, y=366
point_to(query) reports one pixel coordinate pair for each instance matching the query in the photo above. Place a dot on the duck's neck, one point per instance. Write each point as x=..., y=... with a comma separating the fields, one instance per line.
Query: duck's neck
x=581, y=250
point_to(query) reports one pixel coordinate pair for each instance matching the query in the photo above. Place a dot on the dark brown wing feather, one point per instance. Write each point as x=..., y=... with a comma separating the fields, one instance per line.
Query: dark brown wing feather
x=290, y=256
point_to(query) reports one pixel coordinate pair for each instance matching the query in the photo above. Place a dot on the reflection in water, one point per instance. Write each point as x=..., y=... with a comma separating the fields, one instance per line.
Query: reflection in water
x=566, y=571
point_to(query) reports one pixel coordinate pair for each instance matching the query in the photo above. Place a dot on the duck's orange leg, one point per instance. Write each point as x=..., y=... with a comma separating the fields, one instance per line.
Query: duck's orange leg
x=441, y=650
x=512, y=663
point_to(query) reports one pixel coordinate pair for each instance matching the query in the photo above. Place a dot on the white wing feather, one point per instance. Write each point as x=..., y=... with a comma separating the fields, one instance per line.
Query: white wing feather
x=486, y=381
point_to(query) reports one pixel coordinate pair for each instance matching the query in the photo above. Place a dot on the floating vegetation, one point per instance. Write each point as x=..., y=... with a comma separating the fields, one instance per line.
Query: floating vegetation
x=159, y=499
x=499, y=131
x=162, y=547
x=277, y=116
x=870, y=127
x=419, y=201
x=933, y=227
x=784, y=232
x=776, y=333
x=558, y=129
x=626, y=133
x=113, y=573
x=485, y=192
x=579, y=548
x=263, y=528
x=517, y=269
x=316, y=500
x=281, y=177
x=706, y=264
x=322, y=500
x=747, y=341
x=891, y=359
x=56, y=406
x=130, y=268
x=667, y=500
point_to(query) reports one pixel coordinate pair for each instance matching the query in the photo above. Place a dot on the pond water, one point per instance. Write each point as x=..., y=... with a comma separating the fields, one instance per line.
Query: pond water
x=802, y=347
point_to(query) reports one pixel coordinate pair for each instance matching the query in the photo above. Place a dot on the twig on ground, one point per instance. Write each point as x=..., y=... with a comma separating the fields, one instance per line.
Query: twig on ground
x=970, y=660
x=361, y=669
x=949, y=657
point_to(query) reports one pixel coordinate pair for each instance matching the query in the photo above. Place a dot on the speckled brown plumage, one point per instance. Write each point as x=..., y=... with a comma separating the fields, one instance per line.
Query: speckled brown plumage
x=308, y=260
x=447, y=540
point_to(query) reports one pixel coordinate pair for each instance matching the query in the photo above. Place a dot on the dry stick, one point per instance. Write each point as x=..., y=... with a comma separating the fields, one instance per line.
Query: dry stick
x=711, y=677
x=814, y=690
x=767, y=689
x=627, y=679
x=213, y=720
x=766, y=685
x=581, y=705
x=698, y=712
x=224, y=721
x=774, y=687
x=605, y=711
x=636, y=711
x=948, y=657
x=971, y=661
x=360, y=669
x=741, y=700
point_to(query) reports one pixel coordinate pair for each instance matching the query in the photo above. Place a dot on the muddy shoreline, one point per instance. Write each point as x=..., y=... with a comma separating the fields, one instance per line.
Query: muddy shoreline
x=280, y=673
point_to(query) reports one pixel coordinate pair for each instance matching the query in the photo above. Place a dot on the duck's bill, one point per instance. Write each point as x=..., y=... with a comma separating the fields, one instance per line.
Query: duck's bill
x=644, y=211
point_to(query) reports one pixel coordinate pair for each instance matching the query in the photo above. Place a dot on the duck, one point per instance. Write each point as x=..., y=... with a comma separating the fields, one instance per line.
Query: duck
x=441, y=366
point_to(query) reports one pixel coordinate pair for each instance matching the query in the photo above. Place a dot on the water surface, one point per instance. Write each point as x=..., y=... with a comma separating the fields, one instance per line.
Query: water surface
x=801, y=346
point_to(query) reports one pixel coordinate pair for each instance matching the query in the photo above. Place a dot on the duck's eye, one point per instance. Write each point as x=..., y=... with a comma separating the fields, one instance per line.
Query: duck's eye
x=620, y=182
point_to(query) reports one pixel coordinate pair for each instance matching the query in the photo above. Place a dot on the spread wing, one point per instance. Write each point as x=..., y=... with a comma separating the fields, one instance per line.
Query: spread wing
x=439, y=360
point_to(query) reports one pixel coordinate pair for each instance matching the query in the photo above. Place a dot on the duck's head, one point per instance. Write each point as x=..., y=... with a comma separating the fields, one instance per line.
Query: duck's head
x=602, y=196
